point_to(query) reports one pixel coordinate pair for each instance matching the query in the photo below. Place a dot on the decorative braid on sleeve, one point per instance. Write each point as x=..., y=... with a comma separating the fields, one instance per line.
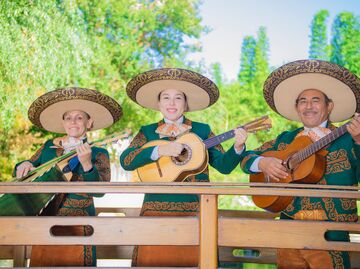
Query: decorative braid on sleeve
x=266, y=145
x=246, y=159
x=36, y=156
x=129, y=158
x=102, y=164
x=138, y=141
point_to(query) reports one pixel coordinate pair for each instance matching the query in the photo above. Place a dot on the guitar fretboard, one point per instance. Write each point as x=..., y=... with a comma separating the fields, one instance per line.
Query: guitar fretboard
x=252, y=126
x=215, y=140
x=318, y=145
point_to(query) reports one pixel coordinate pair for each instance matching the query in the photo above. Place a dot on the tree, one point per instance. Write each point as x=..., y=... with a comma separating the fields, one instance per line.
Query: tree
x=94, y=44
x=319, y=48
x=217, y=74
x=247, y=60
x=345, y=42
x=261, y=61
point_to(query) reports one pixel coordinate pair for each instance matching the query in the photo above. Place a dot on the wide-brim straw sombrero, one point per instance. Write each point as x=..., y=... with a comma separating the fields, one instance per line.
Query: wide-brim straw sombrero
x=146, y=87
x=47, y=110
x=284, y=85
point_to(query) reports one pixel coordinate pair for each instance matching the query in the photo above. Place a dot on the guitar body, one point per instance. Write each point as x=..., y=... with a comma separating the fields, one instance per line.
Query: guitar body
x=309, y=171
x=192, y=161
x=30, y=204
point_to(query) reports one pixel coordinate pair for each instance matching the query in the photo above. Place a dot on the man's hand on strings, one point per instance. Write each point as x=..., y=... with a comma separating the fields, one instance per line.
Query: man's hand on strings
x=272, y=168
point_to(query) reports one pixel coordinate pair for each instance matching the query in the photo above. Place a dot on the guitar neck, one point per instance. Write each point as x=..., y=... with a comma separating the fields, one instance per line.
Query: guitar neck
x=263, y=123
x=72, y=153
x=321, y=143
x=216, y=140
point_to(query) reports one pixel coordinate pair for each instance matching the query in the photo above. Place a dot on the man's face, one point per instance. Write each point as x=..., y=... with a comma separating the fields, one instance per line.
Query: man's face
x=312, y=108
x=76, y=123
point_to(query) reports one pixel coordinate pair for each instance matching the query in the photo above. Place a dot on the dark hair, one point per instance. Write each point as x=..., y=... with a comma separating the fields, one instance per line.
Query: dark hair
x=327, y=99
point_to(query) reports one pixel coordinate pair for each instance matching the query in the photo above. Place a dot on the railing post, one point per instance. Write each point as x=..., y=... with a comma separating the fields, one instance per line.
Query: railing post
x=208, y=232
x=19, y=256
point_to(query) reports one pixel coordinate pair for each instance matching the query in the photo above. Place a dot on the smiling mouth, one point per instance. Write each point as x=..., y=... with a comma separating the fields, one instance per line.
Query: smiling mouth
x=309, y=113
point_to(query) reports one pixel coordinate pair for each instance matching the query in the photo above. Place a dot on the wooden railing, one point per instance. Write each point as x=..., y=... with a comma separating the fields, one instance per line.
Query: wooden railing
x=212, y=230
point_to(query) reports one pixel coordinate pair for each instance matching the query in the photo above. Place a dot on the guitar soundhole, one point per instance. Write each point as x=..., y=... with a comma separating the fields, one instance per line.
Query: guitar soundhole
x=184, y=157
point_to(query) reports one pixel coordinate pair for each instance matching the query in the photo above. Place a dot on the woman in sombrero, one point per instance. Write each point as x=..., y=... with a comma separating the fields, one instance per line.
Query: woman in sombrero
x=173, y=92
x=73, y=112
x=314, y=93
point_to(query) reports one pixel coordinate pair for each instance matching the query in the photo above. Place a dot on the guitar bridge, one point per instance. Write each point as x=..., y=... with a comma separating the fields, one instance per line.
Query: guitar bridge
x=159, y=169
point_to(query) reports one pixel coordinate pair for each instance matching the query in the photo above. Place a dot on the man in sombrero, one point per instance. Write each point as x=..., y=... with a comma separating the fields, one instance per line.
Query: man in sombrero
x=315, y=93
x=73, y=112
x=174, y=91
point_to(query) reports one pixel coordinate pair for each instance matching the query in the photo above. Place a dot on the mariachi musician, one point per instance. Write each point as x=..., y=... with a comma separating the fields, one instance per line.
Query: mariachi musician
x=315, y=93
x=73, y=112
x=174, y=91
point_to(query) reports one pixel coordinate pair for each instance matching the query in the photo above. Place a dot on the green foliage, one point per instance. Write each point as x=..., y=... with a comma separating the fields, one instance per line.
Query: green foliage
x=319, y=48
x=345, y=42
x=344, y=48
x=216, y=73
x=31, y=60
x=94, y=44
x=261, y=61
x=247, y=60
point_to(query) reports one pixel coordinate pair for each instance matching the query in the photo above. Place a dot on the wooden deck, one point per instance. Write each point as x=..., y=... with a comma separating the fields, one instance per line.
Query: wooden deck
x=218, y=232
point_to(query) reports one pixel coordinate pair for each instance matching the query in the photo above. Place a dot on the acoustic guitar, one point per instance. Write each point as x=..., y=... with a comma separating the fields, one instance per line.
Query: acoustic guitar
x=304, y=161
x=193, y=159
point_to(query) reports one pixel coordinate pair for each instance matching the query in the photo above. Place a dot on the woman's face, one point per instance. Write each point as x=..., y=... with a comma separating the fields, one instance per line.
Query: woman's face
x=172, y=104
x=76, y=123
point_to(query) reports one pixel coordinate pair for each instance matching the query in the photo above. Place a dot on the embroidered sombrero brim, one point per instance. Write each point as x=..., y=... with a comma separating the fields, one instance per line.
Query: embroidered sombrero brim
x=284, y=85
x=47, y=111
x=145, y=88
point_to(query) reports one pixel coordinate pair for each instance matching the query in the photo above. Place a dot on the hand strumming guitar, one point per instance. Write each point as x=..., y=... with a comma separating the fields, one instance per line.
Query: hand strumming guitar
x=172, y=149
x=272, y=168
x=23, y=169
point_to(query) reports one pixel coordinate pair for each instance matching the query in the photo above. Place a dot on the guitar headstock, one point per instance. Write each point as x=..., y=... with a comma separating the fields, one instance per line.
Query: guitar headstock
x=262, y=123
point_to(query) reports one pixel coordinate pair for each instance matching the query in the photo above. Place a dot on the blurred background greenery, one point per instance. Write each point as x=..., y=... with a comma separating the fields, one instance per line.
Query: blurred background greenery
x=102, y=44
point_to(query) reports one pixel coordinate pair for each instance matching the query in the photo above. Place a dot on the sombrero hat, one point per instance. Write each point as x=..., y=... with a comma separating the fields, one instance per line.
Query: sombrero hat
x=284, y=85
x=145, y=88
x=47, y=110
